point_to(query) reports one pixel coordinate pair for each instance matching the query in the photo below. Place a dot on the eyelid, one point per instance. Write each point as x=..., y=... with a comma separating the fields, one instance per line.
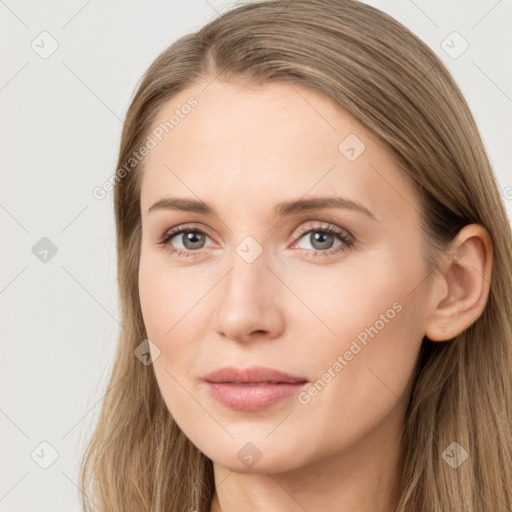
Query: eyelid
x=347, y=239
x=323, y=225
x=187, y=226
x=304, y=228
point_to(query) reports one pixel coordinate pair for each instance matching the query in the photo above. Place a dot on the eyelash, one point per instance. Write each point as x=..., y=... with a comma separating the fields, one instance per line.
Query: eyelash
x=348, y=240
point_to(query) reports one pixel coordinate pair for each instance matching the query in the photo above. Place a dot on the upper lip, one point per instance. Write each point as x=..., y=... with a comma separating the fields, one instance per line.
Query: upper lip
x=230, y=374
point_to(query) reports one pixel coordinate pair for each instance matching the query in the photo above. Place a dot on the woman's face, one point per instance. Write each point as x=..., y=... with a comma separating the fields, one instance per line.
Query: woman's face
x=310, y=265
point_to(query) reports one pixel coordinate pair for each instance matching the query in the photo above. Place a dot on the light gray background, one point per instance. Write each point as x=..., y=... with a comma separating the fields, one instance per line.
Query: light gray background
x=60, y=130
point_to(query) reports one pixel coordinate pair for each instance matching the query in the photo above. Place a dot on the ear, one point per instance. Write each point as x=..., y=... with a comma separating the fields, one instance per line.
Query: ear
x=461, y=285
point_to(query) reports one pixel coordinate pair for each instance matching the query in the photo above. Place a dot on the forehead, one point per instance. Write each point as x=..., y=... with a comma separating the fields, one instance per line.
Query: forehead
x=266, y=142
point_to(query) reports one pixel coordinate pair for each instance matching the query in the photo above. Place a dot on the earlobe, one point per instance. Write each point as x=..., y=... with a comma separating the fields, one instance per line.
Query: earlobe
x=461, y=290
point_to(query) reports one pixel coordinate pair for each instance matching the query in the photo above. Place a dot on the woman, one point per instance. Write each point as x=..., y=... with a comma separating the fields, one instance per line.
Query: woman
x=314, y=272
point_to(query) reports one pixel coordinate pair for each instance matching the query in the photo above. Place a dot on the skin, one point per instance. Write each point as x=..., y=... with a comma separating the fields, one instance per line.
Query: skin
x=242, y=150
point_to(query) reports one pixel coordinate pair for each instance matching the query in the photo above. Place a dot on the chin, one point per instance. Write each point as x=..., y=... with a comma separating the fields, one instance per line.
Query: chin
x=259, y=456
x=275, y=466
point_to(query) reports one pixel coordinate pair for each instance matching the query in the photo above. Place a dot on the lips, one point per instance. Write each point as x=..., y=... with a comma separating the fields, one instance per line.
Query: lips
x=252, y=389
x=253, y=375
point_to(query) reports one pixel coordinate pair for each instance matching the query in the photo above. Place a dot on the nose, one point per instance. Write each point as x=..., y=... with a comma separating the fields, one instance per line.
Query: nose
x=249, y=302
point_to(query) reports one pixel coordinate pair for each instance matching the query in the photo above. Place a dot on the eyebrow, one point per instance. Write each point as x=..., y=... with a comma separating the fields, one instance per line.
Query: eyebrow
x=281, y=210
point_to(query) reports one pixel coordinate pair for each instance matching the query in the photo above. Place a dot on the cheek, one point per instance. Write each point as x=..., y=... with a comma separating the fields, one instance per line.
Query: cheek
x=164, y=307
x=154, y=297
x=367, y=297
x=171, y=307
x=365, y=367
x=169, y=298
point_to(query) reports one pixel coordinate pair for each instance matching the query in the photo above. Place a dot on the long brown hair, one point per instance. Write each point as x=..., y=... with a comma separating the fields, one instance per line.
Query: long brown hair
x=378, y=71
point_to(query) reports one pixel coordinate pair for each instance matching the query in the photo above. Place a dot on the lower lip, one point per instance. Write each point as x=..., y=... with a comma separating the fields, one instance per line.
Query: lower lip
x=252, y=397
